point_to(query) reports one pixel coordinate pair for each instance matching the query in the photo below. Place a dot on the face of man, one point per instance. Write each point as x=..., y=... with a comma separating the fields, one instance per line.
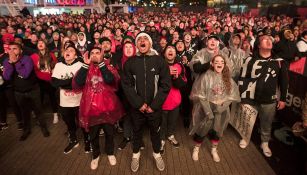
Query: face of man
x=163, y=43
x=70, y=55
x=56, y=37
x=14, y=49
x=212, y=43
x=265, y=42
x=96, y=35
x=143, y=44
x=180, y=46
x=176, y=36
x=95, y=56
x=106, y=46
x=34, y=38
x=187, y=38
x=236, y=40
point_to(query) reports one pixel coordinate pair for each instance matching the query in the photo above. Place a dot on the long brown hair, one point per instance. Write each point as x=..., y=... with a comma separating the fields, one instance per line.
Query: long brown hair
x=45, y=59
x=226, y=77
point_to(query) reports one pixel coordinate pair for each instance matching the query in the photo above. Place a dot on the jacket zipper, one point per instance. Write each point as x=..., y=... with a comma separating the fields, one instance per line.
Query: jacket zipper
x=145, y=78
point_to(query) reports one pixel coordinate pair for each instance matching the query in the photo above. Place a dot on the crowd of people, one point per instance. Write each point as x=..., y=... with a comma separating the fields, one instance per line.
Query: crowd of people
x=134, y=70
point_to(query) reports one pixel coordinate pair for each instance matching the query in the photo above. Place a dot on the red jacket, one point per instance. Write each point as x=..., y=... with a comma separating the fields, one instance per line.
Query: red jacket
x=173, y=99
x=43, y=74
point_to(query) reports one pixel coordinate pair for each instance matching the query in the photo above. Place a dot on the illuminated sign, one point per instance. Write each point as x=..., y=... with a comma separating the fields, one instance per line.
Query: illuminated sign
x=71, y=2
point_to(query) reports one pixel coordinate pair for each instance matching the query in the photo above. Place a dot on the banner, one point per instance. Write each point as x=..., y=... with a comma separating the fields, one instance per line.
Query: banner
x=242, y=118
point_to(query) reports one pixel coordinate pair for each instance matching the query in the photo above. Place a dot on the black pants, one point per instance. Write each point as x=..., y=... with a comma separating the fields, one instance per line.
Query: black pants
x=169, y=122
x=28, y=101
x=127, y=126
x=109, y=139
x=153, y=121
x=70, y=116
x=45, y=87
x=7, y=97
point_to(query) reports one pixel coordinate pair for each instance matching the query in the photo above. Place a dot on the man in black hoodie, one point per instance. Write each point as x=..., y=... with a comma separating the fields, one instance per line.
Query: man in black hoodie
x=146, y=83
x=260, y=77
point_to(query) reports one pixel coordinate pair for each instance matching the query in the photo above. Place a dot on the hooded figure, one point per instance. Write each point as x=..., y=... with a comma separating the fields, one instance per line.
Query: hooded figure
x=236, y=55
x=82, y=44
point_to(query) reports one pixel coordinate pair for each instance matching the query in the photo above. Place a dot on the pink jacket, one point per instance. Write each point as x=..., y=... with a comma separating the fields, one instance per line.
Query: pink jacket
x=173, y=98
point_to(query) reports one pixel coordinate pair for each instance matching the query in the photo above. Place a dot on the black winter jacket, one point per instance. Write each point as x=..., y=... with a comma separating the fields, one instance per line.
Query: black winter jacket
x=146, y=79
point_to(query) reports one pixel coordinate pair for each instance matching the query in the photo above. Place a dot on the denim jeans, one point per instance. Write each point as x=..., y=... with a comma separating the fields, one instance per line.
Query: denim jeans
x=266, y=113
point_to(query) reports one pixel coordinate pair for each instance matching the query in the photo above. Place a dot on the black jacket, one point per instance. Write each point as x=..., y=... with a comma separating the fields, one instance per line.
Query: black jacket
x=146, y=79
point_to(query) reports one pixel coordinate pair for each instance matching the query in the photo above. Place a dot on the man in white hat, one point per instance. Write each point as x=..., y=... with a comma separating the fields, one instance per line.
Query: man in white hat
x=146, y=83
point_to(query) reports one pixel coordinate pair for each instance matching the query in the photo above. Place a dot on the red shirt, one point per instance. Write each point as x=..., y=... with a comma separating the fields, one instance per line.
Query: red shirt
x=40, y=73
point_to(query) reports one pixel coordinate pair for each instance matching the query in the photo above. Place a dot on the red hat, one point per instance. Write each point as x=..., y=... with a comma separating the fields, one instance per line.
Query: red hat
x=6, y=38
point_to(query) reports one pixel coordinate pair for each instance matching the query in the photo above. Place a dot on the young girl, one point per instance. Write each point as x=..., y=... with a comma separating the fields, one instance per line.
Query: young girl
x=69, y=99
x=44, y=62
x=170, y=107
x=129, y=51
x=212, y=94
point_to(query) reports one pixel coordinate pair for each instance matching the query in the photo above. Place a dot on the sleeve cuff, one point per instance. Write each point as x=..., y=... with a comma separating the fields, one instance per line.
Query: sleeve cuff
x=86, y=66
x=102, y=64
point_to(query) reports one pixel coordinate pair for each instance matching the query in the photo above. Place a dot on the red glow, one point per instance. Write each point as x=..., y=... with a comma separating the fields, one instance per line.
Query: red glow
x=71, y=2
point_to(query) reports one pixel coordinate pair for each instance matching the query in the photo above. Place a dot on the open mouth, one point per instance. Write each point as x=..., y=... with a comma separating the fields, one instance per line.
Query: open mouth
x=143, y=45
x=67, y=55
x=219, y=67
x=170, y=54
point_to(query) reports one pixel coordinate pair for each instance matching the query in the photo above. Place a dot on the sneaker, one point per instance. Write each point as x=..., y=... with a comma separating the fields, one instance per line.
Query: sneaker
x=173, y=141
x=94, y=163
x=162, y=147
x=142, y=145
x=87, y=147
x=266, y=150
x=25, y=135
x=101, y=133
x=20, y=126
x=45, y=132
x=4, y=126
x=135, y=162
x=120, y=129
x=243, y=144
x=112, y=160
x=55, y=118
x=215, y=155
x=70, y=146
x=195, y=153
x=124, y=143
x=159, y=161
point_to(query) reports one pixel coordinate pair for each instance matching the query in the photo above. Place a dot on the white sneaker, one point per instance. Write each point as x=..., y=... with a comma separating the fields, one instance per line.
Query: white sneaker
x=215, y=155
x=173, y=141
x=265, y=149
x=195, y=153
x=94, y=163
x=159, y=161
x=135, y=162
x=243, y=144
x=101, y=133
x=55, y=118
x=112, y=160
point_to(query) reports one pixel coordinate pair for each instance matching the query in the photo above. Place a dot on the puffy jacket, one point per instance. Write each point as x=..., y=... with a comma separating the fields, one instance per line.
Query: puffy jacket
x=146, y=79
x=173, y=99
